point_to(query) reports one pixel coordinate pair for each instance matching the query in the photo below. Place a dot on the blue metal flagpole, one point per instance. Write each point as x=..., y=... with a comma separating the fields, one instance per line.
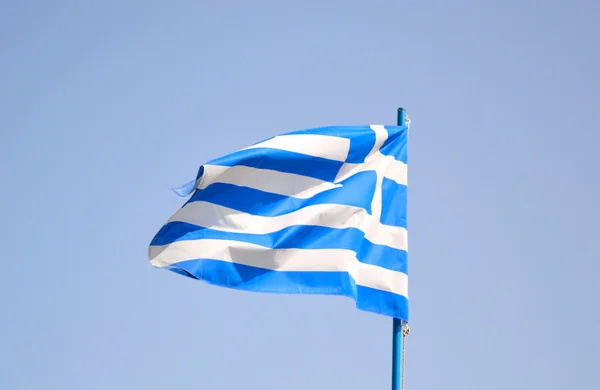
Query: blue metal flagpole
x=398, y=325
x=396, y=353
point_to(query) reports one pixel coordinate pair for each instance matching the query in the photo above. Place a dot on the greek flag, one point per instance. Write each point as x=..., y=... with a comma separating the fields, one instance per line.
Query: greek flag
x=316, y=211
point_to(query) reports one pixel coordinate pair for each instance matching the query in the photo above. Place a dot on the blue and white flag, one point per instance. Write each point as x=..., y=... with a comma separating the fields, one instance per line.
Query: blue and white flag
x=317, y=211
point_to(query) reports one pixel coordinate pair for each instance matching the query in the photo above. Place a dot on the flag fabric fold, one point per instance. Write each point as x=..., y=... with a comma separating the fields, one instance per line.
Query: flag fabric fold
x=316, y=211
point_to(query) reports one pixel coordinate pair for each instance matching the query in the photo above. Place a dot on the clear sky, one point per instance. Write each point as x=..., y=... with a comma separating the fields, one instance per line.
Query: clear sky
x=106, y=105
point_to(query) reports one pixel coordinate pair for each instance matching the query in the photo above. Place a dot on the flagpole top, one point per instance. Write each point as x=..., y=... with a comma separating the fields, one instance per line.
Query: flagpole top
x=402, y=117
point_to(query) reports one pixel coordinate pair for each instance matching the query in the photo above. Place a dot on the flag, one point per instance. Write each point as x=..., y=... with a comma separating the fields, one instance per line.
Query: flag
x=314, y=211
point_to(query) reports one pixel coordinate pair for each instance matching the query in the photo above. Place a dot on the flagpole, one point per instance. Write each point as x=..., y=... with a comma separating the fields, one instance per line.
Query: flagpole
x=399, y=327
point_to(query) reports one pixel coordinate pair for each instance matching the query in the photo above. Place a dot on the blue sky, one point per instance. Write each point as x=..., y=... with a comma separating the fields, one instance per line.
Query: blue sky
x=106, y=105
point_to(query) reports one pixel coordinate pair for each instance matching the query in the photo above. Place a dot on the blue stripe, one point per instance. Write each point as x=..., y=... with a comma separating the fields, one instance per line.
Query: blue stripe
x=282, y=161
x=394, y=203
x=356, y=191
x=300, y=237
x=362, y=139
x=396, y=143
x=243, y=277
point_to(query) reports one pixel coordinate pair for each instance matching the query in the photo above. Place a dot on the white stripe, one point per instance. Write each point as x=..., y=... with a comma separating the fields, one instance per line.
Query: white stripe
x=335, y=216
x=324, y=146
x=282, y=260
x=385, y=166
x=298, y=186
x=395, y=170
x=380, y=137
x=287, y=184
